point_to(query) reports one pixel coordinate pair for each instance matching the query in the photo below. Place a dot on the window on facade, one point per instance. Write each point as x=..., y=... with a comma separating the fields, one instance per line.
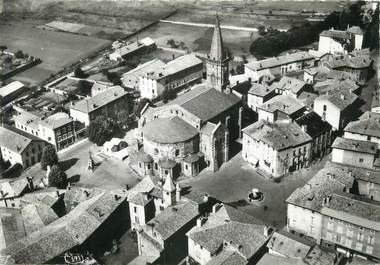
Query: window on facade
x=371, y=240
x=140, y=165
x=155, y=151
x=360, y=237
x=330, y=226
x=359, y=246
x=186, y=167
x=137, y=220
x=348, y=242
x=135, y=209
x=166, y=172
x=369, y=249
x=361, y=160
x=177, y=152
x=339, y=229
x=155, y=166
x=324, y=107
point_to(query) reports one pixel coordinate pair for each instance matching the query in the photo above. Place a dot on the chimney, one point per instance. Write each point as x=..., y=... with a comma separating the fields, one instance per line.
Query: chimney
x=304, y=127
x=117, y=197
x=201, y=221
x=326, y=201
x=30, y=183
x=216, y=207
x=57, y=192
x=87, y=193
x=267, y=230
x=342, y=97
x=205, y=198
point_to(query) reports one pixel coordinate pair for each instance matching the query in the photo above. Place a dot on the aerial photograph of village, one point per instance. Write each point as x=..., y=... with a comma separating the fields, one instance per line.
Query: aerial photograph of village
x=189, y=132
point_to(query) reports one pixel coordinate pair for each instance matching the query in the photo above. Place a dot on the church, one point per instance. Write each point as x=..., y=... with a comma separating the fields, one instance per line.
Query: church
x=195, y=130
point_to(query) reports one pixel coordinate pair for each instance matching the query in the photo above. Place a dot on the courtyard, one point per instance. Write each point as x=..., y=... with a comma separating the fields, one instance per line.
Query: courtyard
x=232, y=183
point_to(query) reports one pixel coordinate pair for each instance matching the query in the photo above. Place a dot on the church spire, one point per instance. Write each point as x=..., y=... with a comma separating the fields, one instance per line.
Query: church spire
x=217, y=51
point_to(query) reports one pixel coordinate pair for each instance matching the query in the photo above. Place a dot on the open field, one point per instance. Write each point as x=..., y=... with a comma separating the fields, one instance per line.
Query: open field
x=198, y=38
x=55, y=49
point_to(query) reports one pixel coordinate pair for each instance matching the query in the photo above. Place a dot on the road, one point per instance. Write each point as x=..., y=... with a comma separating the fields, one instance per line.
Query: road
x=205, y=25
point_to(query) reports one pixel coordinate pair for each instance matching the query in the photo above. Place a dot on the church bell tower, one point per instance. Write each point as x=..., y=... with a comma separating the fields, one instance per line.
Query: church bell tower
x=217, y=61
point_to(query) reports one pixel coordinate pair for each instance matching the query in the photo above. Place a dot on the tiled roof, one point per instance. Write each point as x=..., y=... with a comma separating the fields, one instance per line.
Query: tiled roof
x=289, y=245
x=36, y=216
x=280, y=60
x=28, y=119
x=228, y=257
x=79, y=194
x=356, y=62
x=288, y=83
x=217, y=51
x=204, y=102
x=182, y=63
x=340, y=34
x=364, y=174
x=169, y=130
x=284, y=103
x=307, y=98
x=366, y=126
x=260, y=90
x=278, y=135
x=319, y=256
x=169, y=184
x=355, y=145
x=341, y=99
x=88, y=105
x=355, y=30
x=139, y=199
x=14, y=188
x=56, y=120
x=65, y=233
x=13, y=141
x=174, y=218
x=11, y=226
x=333, y=85
x=327, y=181
x=47, y=196
x=130, y=78
x=247, y=238
x=314, y=124
x=353, y=209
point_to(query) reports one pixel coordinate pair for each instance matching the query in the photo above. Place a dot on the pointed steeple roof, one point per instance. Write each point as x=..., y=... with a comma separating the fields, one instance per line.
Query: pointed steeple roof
x=217, y=52
x=169, y=184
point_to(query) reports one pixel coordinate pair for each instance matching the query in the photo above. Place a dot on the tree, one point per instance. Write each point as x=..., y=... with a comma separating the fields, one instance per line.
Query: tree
x=78, y=72
x=57, y=178
x=3, y=48
x=101, y=130
x=165, y=95
x=19, y=54
x=84, y=87
x=49, y=157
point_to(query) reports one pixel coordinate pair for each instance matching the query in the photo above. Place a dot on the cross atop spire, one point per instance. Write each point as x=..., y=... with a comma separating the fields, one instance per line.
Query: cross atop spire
x=217, y=52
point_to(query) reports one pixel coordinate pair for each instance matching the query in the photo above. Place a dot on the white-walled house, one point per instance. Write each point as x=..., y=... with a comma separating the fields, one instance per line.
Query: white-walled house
x=367, y=128
x=258, y=94
x=340, y=41
x=336, y=108
x=276, y=148
x=354, y=152
x=18, y=148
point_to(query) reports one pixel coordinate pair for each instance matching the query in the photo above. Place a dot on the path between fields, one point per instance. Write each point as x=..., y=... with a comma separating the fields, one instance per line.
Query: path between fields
x=205, y=25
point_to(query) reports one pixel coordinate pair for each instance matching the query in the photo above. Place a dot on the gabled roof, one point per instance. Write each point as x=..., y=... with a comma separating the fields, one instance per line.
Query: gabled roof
x=11, y=226
x=65, y=233
x=284, y=103
x=173, y=218
x=327, y=181
x=339, y=34
x=138, y=198
x=288, y=83
x=355, y=145
x=367, y=126
x=280, y=60
x=36, y=216
x=228, y=257
x=56, y=120
x=353, y=209
x=278, y=135
x=357, y=62
x=13, y=141
x=246, y=238
x=88, y=105
x=290, y=245
x=260, y=90
x=205, y=102
x=341, y=99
